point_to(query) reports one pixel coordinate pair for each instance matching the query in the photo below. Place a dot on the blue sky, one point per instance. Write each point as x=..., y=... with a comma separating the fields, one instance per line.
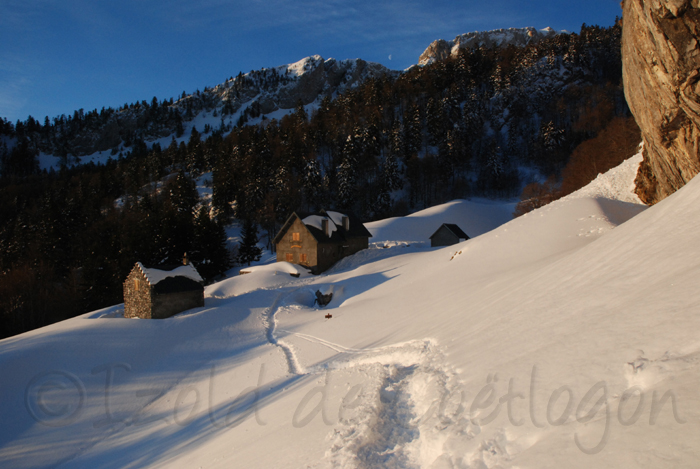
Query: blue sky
x=57, y=56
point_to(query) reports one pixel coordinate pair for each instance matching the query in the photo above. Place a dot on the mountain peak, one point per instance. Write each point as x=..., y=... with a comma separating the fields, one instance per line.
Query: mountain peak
x=520, y=37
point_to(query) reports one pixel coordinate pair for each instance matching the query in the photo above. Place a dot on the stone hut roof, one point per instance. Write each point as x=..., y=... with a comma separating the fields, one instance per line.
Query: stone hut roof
x=155, y=276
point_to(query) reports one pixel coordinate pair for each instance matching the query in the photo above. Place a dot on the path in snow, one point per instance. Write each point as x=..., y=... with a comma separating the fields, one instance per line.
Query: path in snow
x=270, y=324
x=399, y=413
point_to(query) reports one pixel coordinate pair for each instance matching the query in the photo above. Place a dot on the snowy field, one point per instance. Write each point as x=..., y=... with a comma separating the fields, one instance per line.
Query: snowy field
x=565, y=338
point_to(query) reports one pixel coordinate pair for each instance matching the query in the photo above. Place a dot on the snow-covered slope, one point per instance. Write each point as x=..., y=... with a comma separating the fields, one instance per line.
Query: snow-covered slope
x=564, y=338
x=475, y=217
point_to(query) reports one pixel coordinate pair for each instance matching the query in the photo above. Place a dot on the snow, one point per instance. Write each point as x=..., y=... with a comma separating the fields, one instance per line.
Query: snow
x=563, y=338
x=337, y=217
x=277, y=267
x=256, y=277
x=316, y=221
x=616, y=184
x=475, y=217
x=297, y=69
x=155, y=276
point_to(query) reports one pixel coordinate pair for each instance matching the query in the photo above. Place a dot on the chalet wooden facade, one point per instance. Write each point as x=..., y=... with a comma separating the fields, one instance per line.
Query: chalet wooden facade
x=317, y=241
x=151, y=293
x=447, y=235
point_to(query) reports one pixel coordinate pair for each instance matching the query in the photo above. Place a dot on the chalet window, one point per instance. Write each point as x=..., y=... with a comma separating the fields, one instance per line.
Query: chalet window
x=302, y=258
x=296, y=237
x=290, y=257
x=137, y=284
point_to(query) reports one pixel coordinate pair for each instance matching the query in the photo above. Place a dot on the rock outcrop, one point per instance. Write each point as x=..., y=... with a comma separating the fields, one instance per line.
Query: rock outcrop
x=519, y=37
x=661, y=74
x=314, y=77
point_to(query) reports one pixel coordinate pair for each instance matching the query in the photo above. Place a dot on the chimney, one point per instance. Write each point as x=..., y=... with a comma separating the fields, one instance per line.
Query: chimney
x=346, y=223
x=324, y=226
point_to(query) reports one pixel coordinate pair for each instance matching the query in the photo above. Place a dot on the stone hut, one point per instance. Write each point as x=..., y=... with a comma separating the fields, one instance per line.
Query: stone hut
x=447, y=235
x=319, y=240
x=157, y=293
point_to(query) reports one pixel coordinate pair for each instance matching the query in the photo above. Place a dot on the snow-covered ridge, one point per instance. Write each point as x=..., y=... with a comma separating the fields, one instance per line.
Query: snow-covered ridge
x=301, y=67
x=520, y=37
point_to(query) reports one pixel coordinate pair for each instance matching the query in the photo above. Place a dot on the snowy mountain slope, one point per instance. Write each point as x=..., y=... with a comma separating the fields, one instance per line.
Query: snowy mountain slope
x=587, y=297
x=246, y=98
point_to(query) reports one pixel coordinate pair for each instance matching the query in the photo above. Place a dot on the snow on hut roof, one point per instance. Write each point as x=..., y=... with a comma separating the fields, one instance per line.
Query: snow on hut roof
x=317, y=222
x=156, y=275
x=337, y=217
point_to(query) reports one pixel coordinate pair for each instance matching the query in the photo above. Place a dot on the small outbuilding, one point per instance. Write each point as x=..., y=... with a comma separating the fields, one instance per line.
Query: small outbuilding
x=319, y=240
x=157, y=293
x=447, y=235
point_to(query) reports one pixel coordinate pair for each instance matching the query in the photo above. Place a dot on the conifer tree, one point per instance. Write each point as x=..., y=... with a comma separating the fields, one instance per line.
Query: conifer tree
x=436, y=121
x=248, y=251
x=209, y=251
x=183, y=194
x=390, y=173
x=347, y=173
x=413, y=128
x=312, y=183
x=179, y=128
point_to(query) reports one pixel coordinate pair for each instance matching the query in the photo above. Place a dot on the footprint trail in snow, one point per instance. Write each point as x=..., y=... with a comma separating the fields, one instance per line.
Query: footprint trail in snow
x=400, y=413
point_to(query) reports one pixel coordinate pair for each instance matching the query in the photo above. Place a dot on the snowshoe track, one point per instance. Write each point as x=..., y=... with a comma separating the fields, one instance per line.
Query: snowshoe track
x=408, y=412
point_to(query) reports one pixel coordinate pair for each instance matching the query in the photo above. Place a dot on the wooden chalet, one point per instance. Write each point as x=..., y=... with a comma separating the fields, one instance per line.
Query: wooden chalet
x=319, y=240
x=157, y=293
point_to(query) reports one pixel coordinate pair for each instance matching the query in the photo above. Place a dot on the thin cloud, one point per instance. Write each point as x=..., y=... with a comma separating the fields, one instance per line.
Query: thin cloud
x=360, y=20
x=366, y=21
x=15, y=82
x=12, y=96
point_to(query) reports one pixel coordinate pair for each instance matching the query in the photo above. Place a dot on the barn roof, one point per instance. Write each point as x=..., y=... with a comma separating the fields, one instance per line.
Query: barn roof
x=155, y=276
x=454, y=229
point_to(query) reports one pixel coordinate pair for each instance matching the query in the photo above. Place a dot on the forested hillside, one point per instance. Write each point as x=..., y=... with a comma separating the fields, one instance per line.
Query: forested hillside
x=484, y=123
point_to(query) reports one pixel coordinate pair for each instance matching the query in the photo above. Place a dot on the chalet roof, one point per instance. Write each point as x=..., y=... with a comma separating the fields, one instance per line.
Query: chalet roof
x=156, y=275
x=314, y=223
x=454, y=229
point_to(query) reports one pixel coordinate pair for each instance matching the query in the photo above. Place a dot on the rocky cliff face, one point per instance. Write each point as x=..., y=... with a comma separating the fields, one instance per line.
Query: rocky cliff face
x=661, y=73
x=519, y=37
